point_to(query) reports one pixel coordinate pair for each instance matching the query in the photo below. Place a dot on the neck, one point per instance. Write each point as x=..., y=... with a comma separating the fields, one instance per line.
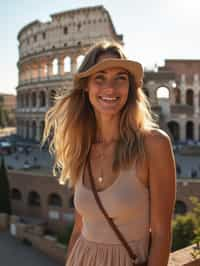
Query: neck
x=107, y=130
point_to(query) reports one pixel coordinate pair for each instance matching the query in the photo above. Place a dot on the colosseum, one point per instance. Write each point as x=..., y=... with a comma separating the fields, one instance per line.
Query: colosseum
x=49, y=54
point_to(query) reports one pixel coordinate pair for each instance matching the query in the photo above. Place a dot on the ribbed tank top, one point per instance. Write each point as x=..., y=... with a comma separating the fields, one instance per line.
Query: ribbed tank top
x=126, y=201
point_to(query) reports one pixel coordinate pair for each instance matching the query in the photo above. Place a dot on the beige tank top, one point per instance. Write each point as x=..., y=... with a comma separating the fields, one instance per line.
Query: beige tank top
x=126, y=201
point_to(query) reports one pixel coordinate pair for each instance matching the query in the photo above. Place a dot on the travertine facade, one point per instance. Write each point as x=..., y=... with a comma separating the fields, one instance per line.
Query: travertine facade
x=180, y=108
x=49, y=54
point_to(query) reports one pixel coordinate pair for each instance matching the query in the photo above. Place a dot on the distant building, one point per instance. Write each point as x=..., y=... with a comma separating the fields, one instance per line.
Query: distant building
x=49, y=54
x=174, y=93
x=9, y=101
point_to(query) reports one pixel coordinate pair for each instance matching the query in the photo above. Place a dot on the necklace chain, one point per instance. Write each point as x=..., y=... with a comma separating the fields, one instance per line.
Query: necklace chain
x=101, y=178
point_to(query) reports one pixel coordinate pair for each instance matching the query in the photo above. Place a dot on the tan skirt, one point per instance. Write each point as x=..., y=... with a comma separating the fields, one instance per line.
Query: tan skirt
x=89, y=253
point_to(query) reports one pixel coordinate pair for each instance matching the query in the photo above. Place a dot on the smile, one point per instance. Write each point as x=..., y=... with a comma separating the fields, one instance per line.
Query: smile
x=109, y=99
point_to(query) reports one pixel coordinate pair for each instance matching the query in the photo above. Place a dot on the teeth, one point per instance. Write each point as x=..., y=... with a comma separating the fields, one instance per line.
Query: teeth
x=108, y=98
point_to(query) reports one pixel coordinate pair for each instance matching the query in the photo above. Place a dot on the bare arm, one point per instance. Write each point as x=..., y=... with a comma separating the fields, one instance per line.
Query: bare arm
x=75, y=233
x=162, y=181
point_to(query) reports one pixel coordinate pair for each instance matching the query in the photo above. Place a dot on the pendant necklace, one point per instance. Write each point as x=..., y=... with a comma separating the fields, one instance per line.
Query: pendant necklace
x=100, y=178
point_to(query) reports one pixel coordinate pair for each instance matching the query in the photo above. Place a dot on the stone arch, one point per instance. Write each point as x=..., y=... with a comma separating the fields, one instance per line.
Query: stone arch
x=41, y=128
x=189, y=97
x=54, y=200
x=45, y=70
x=174, y=129
x=34, y=198
x=23, y=100
x=177, y=95
x=27, y=129
x=34, y=129
x=79, y=60
x=190, y=130
x=162, y=92
x=26, y=99
x=16, y=194
x=55, y=66
x=33, y=99
x=52, y=99
x=67, y=64
x=42, y=99
x=180, y=207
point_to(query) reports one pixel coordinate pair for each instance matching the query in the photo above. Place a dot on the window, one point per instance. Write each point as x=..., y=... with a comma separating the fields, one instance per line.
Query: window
x=79, y=26
x=35, y=38
x=65, y=30
x=44, y=35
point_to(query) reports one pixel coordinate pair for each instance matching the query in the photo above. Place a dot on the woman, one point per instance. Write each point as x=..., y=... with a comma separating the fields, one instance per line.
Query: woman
x=105, y=122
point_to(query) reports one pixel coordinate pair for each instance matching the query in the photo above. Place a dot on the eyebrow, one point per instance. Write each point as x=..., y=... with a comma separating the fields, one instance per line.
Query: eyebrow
x=118, y=73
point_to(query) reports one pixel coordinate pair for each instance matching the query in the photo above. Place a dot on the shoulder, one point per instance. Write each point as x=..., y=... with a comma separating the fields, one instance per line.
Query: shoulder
x=156, y=140
x=158, y=147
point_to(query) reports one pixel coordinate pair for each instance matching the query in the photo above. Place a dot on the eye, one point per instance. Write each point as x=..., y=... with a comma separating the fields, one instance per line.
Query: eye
x=99, y=77
x=122, y=77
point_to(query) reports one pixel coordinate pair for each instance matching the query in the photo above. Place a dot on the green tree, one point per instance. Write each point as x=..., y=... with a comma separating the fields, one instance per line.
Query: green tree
x=5, y=204
x=183, y=231
x=186, y=228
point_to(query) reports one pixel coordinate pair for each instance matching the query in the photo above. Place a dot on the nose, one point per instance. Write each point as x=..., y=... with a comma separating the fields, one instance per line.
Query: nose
x=109, y=89
x=109, y=85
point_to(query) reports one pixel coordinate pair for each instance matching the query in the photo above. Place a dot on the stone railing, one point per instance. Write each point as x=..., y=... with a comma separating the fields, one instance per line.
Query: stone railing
x=34, y=235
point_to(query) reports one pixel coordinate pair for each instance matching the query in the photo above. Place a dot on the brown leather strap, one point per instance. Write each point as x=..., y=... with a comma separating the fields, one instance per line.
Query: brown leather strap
x=109, y=219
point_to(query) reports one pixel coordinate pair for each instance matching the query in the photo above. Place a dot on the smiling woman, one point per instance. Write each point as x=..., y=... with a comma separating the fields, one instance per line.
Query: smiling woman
x=116, y=159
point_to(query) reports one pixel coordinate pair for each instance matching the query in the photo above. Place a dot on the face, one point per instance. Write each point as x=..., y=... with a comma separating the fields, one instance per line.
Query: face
x=108, y=91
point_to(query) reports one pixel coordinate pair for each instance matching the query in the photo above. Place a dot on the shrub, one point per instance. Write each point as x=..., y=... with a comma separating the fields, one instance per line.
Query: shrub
x=64, y=238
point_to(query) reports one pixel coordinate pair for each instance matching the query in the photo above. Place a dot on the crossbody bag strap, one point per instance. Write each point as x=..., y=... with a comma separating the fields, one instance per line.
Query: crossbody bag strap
x=110, y=220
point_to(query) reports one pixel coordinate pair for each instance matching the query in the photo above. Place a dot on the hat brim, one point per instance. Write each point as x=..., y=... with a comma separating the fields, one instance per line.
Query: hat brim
x=133, y=67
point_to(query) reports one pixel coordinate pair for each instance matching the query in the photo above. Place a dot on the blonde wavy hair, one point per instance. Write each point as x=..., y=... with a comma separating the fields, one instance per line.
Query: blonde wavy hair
x=70, y=125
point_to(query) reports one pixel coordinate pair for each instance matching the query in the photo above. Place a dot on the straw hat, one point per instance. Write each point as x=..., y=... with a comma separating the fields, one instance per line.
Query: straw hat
x=133, y=67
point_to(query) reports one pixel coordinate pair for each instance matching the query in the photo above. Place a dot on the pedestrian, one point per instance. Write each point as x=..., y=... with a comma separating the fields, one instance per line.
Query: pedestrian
x=119, y=163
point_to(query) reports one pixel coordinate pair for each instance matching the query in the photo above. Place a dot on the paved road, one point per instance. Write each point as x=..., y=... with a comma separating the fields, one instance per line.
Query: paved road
x=13, y=252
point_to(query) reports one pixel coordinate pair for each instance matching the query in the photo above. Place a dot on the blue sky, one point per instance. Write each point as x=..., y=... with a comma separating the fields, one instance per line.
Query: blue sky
x=153, y=30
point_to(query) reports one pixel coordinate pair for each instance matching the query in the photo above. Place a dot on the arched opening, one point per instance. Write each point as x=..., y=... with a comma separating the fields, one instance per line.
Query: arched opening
x=26, y=100
x=33, y=199
x=174, y=130
x=27, y=129
x=34, y=127
x=190, y=130
x=45, y=70
x=23, y=101
x=54, y=200
x=180, y=207
x=162, y=92
x=42, y=98
x=16, y=194
x=52, y=97
x=189, y=97
x=41, y=129
x=79, y=60
x=33, y=99
x=55, y=66
x=177, y=95
x=67, y=64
